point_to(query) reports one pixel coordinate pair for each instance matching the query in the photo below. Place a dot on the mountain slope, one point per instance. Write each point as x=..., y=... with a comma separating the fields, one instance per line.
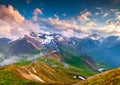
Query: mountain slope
x=49, y=69
x=85, y=63
x=100, y=49
x=36, y=73
x=107, y=78
x=3, y=43
x=20, y=46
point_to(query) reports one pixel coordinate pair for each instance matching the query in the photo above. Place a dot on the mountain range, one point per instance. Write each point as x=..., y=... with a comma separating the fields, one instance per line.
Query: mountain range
x=102, y=50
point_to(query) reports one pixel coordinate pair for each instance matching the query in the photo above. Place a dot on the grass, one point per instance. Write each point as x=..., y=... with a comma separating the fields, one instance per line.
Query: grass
x=8, y=77
x=80, y=64
x=102, y=65
x=22, y=62
x=107, y=78
x=44, y=70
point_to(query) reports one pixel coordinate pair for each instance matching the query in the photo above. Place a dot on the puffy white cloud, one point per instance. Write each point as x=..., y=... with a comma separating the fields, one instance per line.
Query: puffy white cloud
x=13, y=24
x=84, y=16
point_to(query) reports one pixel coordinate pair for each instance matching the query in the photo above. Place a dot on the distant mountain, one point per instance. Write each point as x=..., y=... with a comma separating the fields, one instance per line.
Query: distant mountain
x=3, y=43
x=96, y=37
x=99, y=48
x=106, y=78
x=19, y=46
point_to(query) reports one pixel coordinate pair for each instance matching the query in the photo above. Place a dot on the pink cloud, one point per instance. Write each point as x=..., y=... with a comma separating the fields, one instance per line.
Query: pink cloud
x=91, y=24
x=37, y=12
x=13, y=24
x=64, y=24
x=8, y=13
x=84, y=16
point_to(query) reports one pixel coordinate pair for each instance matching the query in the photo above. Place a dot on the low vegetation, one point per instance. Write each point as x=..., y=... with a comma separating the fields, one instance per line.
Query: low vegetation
x=107, y=78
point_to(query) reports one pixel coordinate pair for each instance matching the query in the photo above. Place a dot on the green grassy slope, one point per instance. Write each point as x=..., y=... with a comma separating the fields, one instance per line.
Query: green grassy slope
x=107, y=78
x=24, y=75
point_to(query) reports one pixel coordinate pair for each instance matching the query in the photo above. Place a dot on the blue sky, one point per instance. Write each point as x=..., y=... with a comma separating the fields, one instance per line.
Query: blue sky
x=68, y=17
x=71, y=8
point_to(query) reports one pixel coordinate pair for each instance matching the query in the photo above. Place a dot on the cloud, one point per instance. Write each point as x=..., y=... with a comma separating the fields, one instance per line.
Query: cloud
x=117, y=23
x=8, y=13
x=106, y=14
x=59, y=25
x=68, y=28
x=72, y=33
x=84, y=16
x=91, y=24
x=10, y=60
x=109, y=21
x=73, y=28
x=117, y=15
x=37, y=12
x=13, y=24
x=96, y=14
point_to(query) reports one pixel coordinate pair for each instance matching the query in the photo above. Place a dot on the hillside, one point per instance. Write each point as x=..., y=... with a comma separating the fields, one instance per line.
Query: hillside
x=37, y=73
x=19, y=46
x=107, y=78
x=49, y=69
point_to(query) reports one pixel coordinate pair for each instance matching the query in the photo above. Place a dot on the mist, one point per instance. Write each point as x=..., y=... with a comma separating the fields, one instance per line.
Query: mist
x=18, y=59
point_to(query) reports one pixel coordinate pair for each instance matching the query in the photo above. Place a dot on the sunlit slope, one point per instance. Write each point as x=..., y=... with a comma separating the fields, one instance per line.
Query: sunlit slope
x=36, y=73
x=107, y=78
x=49, y=69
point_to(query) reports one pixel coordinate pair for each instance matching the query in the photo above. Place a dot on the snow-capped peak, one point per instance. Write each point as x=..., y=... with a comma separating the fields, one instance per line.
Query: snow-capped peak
x=47, y=39
x=96, y=37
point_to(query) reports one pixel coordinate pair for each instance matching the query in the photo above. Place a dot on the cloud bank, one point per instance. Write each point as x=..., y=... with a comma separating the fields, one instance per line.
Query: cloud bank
x=13, y=24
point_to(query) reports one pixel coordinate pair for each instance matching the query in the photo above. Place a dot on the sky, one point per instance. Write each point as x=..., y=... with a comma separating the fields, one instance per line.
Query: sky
x=71, y=18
